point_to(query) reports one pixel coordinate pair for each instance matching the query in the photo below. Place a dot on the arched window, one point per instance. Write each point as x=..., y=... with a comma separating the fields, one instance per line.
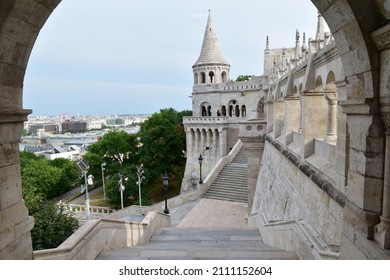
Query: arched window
x=203, y=77
x=204, y=111
x=211, y=76
x=234, y=108
x=209, y=111
x=231, y=110
x=243, y=111
x=223, y=111
x=224, y=76
x=260, y=109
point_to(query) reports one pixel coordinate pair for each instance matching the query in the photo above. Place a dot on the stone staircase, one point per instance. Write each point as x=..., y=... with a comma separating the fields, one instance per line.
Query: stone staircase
x=232, y=182
x=200, y=244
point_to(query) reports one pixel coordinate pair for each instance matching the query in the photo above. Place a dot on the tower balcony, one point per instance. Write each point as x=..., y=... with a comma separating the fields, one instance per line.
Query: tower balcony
x=205, y=120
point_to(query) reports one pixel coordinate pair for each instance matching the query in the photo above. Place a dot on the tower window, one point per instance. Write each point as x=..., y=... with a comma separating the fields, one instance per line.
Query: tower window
x=211, y=75
x=203, y=77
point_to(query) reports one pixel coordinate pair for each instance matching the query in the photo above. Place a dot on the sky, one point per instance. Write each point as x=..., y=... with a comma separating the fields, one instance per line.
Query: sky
x=100, y=57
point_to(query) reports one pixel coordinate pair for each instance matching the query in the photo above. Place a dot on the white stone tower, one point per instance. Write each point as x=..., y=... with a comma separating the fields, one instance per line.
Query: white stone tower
x=211, y=67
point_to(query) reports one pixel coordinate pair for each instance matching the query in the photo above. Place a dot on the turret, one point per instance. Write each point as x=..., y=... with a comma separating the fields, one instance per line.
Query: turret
x=211, y=67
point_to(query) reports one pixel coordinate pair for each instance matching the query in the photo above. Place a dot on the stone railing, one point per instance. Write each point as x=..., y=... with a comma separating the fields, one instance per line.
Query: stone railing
x=219, y=165
x=93, y=209
x=96, y=236
x=205, y=120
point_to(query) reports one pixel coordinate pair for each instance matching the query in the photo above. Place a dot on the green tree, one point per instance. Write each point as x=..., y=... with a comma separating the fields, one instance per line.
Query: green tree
x=69, y=176
x=163, y=142
x=40, y=181
x=242, y=78
x=53, y=224
x=119, y=150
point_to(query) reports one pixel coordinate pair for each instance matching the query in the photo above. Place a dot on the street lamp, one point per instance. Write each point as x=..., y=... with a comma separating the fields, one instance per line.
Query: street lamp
x=83, y=167
x=209, y=148
x=165, y=188
x=140, y=175
x=200, y=158
x=121, y=187
x=104, y=186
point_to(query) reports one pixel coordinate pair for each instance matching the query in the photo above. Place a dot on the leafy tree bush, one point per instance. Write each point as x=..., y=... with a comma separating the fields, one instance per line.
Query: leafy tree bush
x=242, y=78
x=163, y=142
x=53, y=224
x=41, y=181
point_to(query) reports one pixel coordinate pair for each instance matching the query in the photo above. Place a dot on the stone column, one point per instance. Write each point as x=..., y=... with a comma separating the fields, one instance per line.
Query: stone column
x=291, y=118
x=190, y=142
x=314, y=115
x=382, y=234
x=278, y=118
x=222, y=142
x=270, y=117
x=342, y=143
x=15, y=223
x=331, y=131
x=197, y=142
x=365, y=174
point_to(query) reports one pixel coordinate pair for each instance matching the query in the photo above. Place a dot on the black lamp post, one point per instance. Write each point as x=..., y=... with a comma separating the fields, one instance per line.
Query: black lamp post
x=200, y=158
x=165, y=187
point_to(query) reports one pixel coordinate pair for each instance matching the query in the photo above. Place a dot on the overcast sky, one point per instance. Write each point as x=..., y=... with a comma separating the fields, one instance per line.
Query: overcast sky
x=135, y=57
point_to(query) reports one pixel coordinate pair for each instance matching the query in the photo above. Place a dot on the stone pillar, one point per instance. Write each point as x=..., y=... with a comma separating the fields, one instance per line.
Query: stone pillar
x=342, y=143
x=222, y=142
x=382, y=234
x=365, y=173
x=190, y=142
x=270, y=117
x=331, y=131
x=252, y=135
x=278, y=118
x=197, y=142
x=15, y=223
x=314, y=116
x=291, y=117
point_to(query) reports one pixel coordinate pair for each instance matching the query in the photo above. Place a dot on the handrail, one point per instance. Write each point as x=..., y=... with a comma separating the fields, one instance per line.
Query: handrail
x=96, y=236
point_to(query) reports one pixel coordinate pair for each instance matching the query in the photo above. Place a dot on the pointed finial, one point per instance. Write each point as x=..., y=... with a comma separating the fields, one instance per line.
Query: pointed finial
x=267, y=43
x=297, y=35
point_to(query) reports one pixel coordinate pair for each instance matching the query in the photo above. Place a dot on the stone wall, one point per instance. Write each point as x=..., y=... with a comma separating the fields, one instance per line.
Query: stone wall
x=292, y=211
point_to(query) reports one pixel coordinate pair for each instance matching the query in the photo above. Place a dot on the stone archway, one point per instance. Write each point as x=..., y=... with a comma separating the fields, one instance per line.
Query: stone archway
x=351, y=23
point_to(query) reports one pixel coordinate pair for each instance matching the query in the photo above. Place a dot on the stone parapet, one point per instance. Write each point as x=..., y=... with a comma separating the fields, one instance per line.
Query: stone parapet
x=205, y=120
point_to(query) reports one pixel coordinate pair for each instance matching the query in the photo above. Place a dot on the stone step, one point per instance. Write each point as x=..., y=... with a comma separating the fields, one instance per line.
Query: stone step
x=204, y=244
x=225, y=197
x=227, y=191
x=232, y=183
x=229, y=186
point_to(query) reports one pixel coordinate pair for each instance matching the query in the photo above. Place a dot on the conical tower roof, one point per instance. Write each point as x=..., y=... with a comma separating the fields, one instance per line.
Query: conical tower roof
x=210, y=53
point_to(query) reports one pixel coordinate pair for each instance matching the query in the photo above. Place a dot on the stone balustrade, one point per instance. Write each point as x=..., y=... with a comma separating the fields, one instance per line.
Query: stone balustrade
x=205, y=120
x=104, y=234
x=93, y=209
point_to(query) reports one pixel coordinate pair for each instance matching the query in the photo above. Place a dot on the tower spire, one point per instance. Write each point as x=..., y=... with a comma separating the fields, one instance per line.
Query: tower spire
x=211, y=52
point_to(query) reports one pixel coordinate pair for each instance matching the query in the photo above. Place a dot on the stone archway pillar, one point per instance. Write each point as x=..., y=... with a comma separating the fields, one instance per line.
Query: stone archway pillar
x=382, y=234
x=365, y=177
x=331, y=130
x=381, y=38
x=15, y=223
